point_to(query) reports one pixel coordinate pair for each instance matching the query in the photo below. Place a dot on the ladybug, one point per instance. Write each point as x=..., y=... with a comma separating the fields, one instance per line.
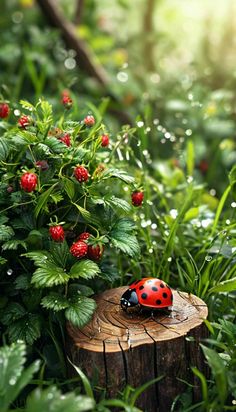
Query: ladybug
x=150, y=293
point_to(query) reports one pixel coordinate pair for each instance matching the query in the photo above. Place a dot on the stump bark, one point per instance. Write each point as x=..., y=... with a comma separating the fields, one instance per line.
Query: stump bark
x=118, y=348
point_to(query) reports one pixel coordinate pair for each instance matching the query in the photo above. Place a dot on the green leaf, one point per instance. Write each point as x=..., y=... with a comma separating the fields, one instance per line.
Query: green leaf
x=125, y=242
x=12, y=312
x=225, y=286
x=192, y=213
x=55, y=301
x=117, y=203
x=84, y=269
x=218, y=370
x=6, y=233
x=190, y=157
x=124, y=225
x=55, y=145
x=42, y=200
x=4, y=148
x=26, y=105
x=46, y=110
x=120, y=174
x=49, y=275
x=13, y=378
x=22, y=282
x=80, y=312
x=14, y=244
x=51, y=399
x=69, y=188
x=40, y=258
x=59, y=253
x=87, y=386
x=27, y=329
x=232, y=176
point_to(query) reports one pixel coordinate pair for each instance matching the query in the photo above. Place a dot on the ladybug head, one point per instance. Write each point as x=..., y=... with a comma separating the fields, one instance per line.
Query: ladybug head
x=129, y=299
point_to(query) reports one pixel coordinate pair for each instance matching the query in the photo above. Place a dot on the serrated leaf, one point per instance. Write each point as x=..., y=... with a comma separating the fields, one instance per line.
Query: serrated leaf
x=42, y=199
x=80, y=312
x=13, y=377
x=3, y=219
x=14, y=244
x=27, y=329
x=59, y=253
x=6, y=233
x=49, y=275
x=55, y=301
x=40, y=258
x=86, y=269
x=56, y=197
x=51, y=399
x=225, y=286
x=12, y=312
x=123, y=225
x=117, y=203
x=4, y=148
x=22, y=282
x=55, y=145
x=2, y=261
x=120, y=174
x=126, y=243
x=69, y=188
x=46, y=110
x=26, y=105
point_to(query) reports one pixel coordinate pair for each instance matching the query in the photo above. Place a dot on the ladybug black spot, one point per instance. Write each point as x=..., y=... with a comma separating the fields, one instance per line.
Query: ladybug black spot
x=154, y=289
x=164, y=295
x=144, y=296
x=158, y=302
x=161, y=285
x=141, y=287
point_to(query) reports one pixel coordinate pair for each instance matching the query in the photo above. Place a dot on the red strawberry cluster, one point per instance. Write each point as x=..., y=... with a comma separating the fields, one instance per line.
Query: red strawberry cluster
x=81, y=174
x=89, y=121
x=137, y=198
x=105, y=140
x=66, y=139
x=24, y=121
x=57, y=233
x=66, y=99
x=80, y=248
x=4, y=110
x=28, y=181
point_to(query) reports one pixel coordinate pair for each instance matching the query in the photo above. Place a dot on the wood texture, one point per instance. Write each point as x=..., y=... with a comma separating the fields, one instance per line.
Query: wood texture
x=117, y=348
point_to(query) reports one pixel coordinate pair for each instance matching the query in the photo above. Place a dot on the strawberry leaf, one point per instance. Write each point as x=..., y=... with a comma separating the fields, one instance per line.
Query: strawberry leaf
x=80, y=312
x=55, y=302
x=49, y=275
x=84, y=269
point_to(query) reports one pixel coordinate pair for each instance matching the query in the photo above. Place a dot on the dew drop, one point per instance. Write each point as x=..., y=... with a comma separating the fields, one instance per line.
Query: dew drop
x=150, y=250
x=9, y=272
x=140, y=124
x=189, y=179
x=169, y=259
x=122, y=77
x=208, y=258
x=233, y=204
x=155, y=121
x=153, y=226
x=174, y=213
x=70, y=63
x=227, y=222
x=12, y=381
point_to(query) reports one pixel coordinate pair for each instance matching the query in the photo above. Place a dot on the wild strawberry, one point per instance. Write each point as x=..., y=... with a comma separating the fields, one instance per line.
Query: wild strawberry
x=42, y=164
x=24, y=121
x=79, y=249
x=95, y=252
x=84, y=236
x=67, y=101
x=57, y=233
x=203, y=166
x=28, y=181
x=4, y=110
x=65, y=139
x=10, y=189
x=137, y=198
x=81, y=174
x=105, y=140
x=89, y=121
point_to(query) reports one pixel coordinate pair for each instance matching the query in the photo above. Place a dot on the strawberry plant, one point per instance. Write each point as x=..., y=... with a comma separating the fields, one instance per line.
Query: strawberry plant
x=55, y=169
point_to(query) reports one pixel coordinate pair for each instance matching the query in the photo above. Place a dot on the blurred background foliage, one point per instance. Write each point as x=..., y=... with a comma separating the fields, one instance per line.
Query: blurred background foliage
x=168, y=64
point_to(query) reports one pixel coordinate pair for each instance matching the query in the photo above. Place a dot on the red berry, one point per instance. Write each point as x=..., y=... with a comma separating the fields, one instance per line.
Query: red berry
x=65, y=139
x=137, y=198
x=95, y=252
x=105, y=140
x=89, y=121
x=57, y=233
x=4, y=110
x=67, y=101
x=79, y=249
x=84, y=236
x=81, y=174
x=28, y=181
x=203, y=166
x=24, y=121
x=42, y=164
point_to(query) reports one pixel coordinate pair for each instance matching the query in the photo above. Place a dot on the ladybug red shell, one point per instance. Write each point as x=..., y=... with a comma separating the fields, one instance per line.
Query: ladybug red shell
x=150, y=293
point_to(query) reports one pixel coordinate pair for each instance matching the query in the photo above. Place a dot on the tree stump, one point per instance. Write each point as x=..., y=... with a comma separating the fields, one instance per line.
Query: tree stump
x=118, y=348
